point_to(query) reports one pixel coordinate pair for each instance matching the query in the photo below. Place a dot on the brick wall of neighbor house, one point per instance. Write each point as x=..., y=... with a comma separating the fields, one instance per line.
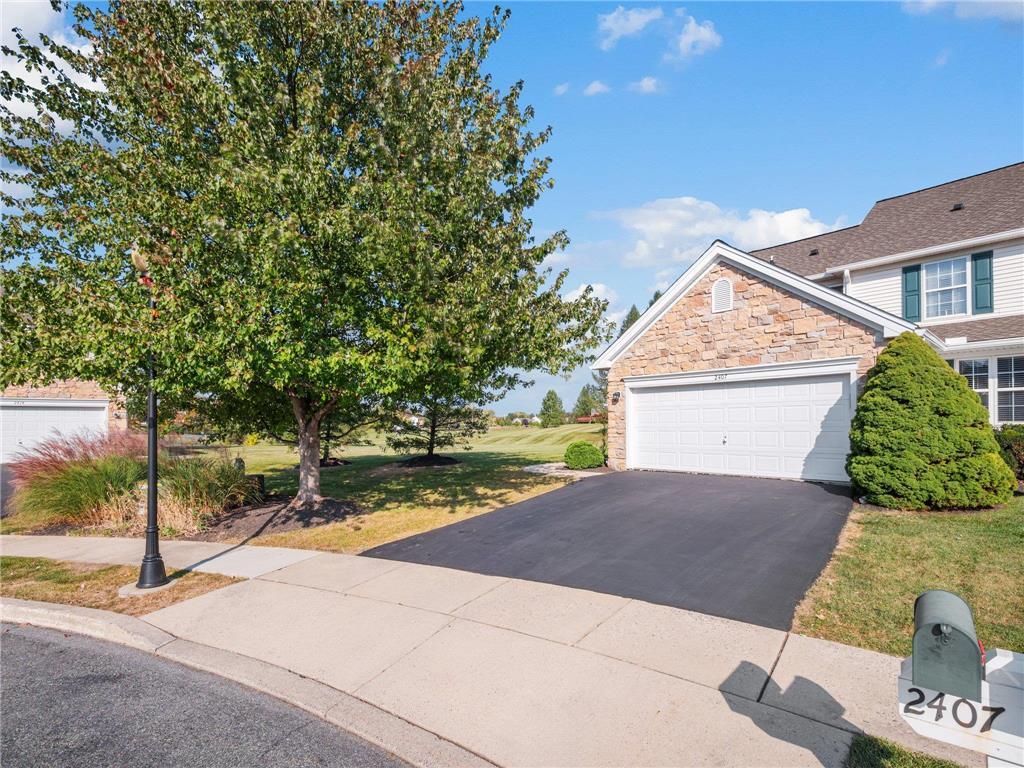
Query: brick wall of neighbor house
x=766, y=325
x=73, y=389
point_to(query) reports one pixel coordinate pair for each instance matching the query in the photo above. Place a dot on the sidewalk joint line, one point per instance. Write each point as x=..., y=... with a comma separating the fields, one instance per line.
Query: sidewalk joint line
x=404, y=655
x=504, y=580
x=602, y=622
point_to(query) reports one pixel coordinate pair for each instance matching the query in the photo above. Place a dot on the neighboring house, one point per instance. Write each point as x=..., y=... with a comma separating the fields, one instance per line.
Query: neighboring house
x=29, y=415
x=750, y=363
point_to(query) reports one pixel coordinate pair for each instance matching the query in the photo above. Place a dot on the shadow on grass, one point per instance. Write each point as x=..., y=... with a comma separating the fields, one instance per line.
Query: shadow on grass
x=373, y=482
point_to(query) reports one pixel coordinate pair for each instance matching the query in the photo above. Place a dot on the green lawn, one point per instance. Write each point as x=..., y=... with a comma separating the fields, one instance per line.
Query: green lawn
x=865, y=596
x=398, y=501
x=869, y=752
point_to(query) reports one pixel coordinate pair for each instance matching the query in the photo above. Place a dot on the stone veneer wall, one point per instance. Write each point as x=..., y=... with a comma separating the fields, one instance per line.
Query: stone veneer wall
x=75, y=390
x=766, y=325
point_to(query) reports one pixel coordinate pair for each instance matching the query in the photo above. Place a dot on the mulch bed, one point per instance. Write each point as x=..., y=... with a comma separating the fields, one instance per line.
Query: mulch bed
x=273, y=516
x=429, y=461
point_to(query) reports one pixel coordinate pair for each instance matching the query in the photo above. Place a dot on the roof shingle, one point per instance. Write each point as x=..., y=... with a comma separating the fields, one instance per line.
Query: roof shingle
x=991, y=202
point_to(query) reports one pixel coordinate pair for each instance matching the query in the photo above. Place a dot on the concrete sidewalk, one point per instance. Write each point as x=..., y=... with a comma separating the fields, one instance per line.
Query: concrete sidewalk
x=228, y=559
x=524, y=673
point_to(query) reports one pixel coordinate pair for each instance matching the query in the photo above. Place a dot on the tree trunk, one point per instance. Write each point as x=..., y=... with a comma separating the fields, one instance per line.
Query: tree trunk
x=309, y=454
x=433, y=433
x=327, y=443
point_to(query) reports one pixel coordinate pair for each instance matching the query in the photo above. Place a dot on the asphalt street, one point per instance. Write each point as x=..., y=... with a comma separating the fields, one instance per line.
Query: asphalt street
x=69, y=700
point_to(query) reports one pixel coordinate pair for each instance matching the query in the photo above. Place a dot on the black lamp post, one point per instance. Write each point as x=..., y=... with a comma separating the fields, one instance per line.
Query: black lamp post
x=152, y=573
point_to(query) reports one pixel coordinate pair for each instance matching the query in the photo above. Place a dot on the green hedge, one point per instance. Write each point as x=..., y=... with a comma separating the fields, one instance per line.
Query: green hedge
x=583, y=455
x=921, y=438
x=1011, y=444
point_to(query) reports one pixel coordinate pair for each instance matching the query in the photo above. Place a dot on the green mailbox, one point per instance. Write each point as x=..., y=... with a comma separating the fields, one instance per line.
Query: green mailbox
x=947, y=656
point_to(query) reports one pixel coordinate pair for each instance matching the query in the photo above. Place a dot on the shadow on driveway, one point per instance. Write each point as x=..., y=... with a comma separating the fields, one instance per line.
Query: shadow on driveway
x=742, y=548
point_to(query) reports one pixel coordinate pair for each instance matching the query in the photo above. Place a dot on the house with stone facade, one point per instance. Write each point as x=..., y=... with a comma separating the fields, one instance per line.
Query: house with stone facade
x=750, y=363
x=29, y=415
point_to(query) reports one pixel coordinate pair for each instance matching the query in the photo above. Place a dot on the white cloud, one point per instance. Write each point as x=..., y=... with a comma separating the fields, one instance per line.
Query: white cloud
x=942, y=59
x=561, y=89
x=595, y=87
x=695, y=40
x=646, y=84
x=678, y=229
x=34, y=17
x=624, y=23
x=600, y=290
x=1012, y=11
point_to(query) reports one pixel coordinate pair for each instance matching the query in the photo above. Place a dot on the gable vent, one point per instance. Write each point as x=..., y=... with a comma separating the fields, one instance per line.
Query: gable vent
x=721, y=295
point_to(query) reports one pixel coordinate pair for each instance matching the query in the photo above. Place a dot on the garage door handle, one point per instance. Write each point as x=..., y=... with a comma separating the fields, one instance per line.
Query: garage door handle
x=725, y=439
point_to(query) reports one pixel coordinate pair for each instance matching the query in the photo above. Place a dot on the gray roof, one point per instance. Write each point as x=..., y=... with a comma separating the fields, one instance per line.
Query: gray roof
x=991, y=202
x=982, y=329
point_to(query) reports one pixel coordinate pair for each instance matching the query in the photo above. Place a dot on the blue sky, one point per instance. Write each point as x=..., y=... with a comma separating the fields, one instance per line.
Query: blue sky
x=754, y=122
x=764, y=122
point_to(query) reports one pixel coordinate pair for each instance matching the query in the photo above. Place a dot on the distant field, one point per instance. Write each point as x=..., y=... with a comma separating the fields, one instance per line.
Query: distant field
x=535, y=444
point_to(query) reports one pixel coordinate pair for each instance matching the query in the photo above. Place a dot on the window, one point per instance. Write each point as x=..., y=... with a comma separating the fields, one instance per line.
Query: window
x=721, y=295
x=945, y=287
x=1010, y=388
x=976, y=373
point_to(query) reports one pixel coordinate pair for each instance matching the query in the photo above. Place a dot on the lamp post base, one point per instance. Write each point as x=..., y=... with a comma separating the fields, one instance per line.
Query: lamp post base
x=152, y=573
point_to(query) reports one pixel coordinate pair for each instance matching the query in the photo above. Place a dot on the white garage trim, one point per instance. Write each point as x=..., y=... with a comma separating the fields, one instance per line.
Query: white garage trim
x=52, y=402
x=706, y=457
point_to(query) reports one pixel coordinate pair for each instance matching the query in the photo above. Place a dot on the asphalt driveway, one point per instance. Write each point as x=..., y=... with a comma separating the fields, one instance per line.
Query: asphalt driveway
x=742, y=548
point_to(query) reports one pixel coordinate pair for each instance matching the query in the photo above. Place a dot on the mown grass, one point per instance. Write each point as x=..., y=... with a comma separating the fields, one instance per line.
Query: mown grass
x=95, y=586
x=871, y=752
x=865, y=597
x=396, y=501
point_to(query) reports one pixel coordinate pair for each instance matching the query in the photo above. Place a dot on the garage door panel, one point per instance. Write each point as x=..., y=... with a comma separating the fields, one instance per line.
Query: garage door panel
x=24, y=425
x=795, y=428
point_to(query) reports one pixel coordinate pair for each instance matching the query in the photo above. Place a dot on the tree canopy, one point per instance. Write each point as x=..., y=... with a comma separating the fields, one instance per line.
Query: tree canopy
x=328, y=197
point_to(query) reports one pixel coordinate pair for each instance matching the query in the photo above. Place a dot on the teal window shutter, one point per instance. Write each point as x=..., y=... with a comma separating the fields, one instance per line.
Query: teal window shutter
x=912, y=293
x=981, y=280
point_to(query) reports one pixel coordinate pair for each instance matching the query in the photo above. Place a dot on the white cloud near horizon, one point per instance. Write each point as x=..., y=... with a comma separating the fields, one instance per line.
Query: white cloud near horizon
x=676, y=230
x=561, y=89
x=696, y=39
x=1011, y=10
x=624, y=23
x=646, y=84
x=595, y=87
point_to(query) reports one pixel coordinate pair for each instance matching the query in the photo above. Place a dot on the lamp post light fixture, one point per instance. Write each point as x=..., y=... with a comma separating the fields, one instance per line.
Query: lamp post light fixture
x=152, y=572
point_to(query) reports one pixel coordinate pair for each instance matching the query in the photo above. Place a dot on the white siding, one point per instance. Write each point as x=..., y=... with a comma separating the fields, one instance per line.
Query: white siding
x=1008, y=279
x=882, y=287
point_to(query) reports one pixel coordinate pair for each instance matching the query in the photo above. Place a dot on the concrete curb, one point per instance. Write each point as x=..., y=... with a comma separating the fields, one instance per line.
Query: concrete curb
x=104, y=625
x=401, y=738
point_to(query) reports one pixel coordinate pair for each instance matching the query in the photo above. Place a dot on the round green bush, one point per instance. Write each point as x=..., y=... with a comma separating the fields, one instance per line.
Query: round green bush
x=921, y=438
x=583, y=455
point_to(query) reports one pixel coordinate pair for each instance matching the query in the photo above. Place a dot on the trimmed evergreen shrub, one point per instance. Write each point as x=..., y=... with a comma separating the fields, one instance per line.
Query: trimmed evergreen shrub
x=583, y=455
x=1011, y=444
x=921, y=438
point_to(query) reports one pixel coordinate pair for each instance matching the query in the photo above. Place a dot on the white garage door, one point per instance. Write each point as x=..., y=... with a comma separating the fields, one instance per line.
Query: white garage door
x=796, y=428
x=26, y=423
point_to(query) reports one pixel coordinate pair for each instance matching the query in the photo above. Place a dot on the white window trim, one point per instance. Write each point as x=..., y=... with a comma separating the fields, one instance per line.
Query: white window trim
x=967, y=286
x=993, y=381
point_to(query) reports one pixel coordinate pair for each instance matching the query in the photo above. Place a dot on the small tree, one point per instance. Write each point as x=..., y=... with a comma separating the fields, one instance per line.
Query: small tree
x=588, y=401
x=654, y=298
x=445, y=423
x=552, y=413
x=921, y=437
x=631, y=317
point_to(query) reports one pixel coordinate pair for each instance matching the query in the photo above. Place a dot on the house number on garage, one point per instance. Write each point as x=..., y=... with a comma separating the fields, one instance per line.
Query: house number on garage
x=721, y=376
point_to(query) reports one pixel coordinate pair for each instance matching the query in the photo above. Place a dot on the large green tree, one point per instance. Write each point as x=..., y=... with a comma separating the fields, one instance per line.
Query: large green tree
x=317, y=190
